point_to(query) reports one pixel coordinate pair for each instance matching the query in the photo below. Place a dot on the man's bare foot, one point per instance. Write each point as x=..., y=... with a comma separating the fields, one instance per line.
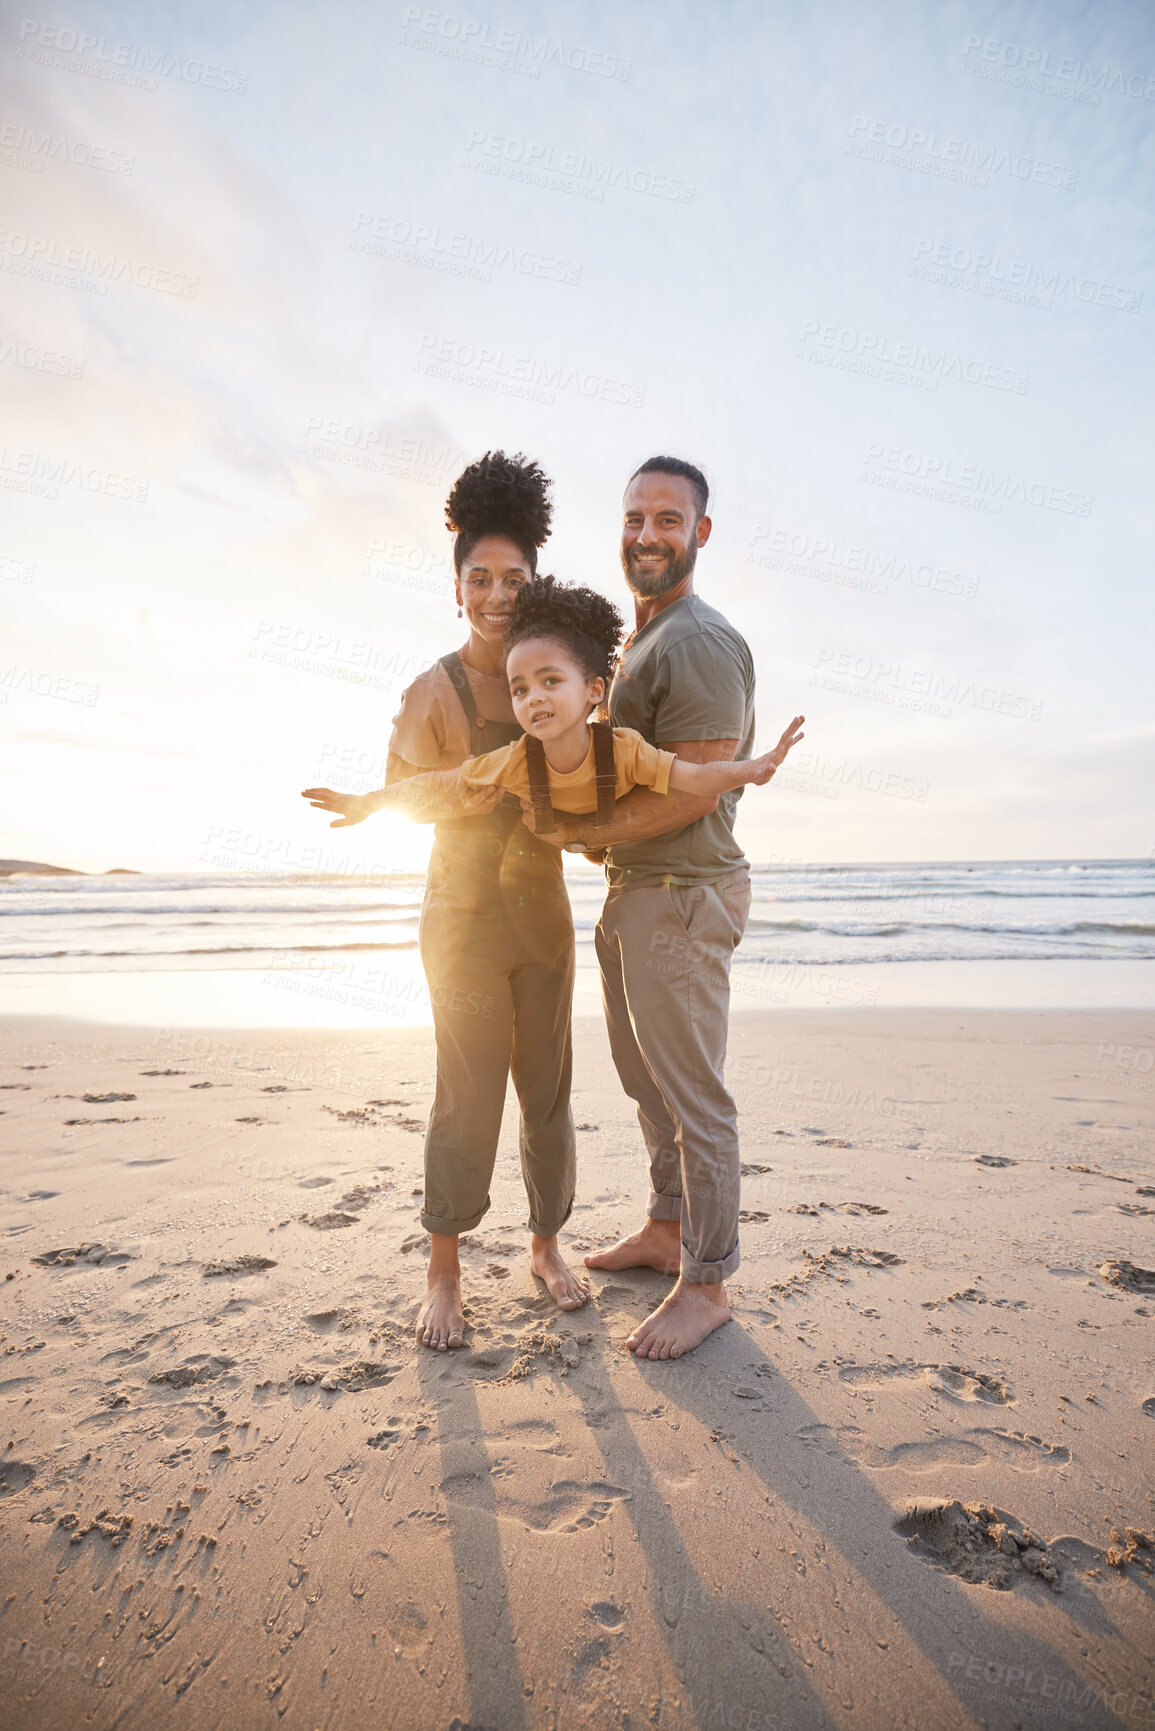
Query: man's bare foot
x=682, y=1321
x=658, y=1245
x=569, y=1288
x=441, y=1323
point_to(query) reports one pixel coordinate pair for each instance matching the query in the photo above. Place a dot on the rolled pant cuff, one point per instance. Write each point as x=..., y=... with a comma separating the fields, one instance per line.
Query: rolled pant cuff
x=664, y=1207
x=542, y=1230
x=452, y=1228
x=707, y=1273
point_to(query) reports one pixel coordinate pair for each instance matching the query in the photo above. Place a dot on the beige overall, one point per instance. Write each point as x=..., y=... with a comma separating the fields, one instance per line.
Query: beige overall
x=497, y=945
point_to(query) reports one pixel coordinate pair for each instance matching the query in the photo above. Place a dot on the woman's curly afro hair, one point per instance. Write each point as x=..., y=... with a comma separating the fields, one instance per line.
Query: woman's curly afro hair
x=585, y=624
x=500, y=495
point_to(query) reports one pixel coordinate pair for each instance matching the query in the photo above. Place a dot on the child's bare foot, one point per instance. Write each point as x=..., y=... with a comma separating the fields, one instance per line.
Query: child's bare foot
x=657, y=1245
x=568, y=1287
x=441, y=1323
x=682, y=1321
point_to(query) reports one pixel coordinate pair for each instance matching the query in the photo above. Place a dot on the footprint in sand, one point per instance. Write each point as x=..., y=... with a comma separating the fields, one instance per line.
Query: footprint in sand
x=237, y=1265
x=387, y=1437
x=95, y=1255
x=325, y=1321
x=972, y=1448
x=195, y=1370
x=74, y=1123
x=856, y=1208
x=955, y=1380
x=528, y=1496
x=347, y=1378
x=923, y=1456
x=1128, y=1275
x=967, y=1385
x=982, y=1545
x=15, y=1476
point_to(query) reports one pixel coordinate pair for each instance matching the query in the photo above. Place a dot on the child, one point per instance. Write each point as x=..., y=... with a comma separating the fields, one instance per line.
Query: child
x=559, y=648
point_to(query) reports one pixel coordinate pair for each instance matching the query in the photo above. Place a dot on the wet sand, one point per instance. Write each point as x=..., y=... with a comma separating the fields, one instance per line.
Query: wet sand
x=910, y=1484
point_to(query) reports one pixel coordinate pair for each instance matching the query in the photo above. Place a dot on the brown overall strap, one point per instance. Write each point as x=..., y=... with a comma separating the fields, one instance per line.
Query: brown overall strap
x=453, y=666
x=544, y=819
x=605, y=775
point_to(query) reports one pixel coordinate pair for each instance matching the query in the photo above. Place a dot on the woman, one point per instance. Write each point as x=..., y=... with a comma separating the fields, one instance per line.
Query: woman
x=496, y=931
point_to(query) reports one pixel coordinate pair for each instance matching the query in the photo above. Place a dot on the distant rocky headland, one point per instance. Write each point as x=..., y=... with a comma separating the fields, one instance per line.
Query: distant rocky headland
x=37, y=868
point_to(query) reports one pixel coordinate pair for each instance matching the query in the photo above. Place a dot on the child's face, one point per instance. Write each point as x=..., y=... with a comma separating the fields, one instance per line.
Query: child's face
x=551, y=695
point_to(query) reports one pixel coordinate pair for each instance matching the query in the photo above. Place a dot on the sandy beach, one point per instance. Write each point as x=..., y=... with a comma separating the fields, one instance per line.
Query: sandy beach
x=910, y=1484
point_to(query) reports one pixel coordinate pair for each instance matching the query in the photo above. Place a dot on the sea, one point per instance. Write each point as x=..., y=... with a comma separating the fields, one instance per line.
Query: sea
x=238, y=948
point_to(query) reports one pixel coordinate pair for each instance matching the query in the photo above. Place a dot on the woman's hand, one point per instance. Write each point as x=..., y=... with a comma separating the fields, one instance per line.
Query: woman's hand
x=354, y=807
x=762, y=768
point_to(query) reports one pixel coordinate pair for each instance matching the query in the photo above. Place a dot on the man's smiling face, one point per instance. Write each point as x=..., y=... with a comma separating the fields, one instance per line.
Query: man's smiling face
x=661, y=533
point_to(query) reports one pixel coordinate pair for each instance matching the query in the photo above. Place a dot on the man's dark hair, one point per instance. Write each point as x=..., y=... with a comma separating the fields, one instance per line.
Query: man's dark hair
x=684, y=471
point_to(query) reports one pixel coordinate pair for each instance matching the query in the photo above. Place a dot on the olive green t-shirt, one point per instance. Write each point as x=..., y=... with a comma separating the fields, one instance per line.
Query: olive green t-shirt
x=686, y=675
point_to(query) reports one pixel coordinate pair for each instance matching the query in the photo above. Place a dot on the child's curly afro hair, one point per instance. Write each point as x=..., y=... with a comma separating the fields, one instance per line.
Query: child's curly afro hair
x=581, y=620
x=500, y=495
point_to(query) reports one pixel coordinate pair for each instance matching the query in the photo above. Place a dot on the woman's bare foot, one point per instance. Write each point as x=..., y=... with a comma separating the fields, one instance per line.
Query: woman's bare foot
x=658, y=1245
x=686, y=1315
x=569, y=1288
x=441, y=1322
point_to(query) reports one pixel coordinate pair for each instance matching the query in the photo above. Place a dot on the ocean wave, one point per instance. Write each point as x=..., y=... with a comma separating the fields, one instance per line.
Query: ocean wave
x=179, y=910
x=148, y=955
x=870, y=929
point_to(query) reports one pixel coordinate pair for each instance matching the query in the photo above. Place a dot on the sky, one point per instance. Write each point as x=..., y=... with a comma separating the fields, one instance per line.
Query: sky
x=273, y=274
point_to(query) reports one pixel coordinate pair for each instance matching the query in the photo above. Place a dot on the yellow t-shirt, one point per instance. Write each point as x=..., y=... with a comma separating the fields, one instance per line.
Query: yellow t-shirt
x=637, y=763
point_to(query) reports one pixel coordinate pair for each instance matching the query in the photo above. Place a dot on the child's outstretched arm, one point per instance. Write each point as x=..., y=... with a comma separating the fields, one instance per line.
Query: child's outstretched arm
x=435, y=794
x=714, y=778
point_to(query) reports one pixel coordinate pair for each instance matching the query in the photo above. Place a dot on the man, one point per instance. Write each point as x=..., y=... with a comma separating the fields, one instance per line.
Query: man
x=678, y=899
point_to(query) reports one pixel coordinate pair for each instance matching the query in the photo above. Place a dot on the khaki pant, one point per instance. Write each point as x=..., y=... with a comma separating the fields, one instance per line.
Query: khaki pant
x=500, y=968
x=665, y=956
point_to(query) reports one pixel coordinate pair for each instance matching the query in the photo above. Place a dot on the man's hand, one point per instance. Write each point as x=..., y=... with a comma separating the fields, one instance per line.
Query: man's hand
x=354, y=807
x=762, y=768
x=556, y=837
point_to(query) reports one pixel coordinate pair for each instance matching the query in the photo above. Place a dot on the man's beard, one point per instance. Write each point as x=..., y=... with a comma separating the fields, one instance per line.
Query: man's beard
x=649, y=586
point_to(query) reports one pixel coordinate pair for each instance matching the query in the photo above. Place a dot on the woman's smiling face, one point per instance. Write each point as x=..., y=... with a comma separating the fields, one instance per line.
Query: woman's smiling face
x=488, y=583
